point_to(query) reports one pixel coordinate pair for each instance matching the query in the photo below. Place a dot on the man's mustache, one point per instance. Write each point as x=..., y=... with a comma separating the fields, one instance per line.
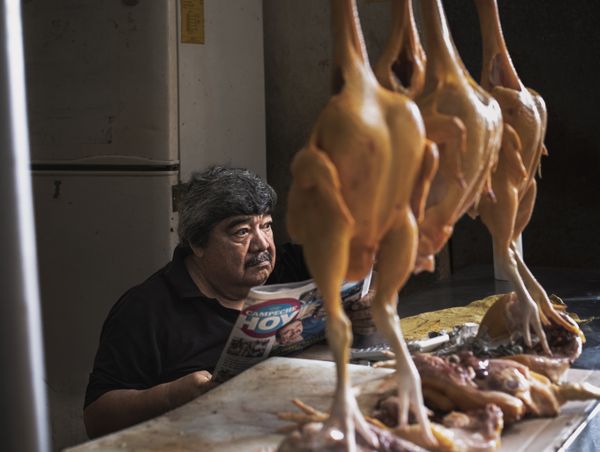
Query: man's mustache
x=259, y=258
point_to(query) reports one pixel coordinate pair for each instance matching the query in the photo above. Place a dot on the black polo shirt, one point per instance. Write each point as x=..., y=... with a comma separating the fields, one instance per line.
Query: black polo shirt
x=165, y=328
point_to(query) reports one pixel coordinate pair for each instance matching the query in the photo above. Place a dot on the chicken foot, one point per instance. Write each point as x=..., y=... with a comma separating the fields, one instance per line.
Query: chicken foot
x=525, y=313
x=547, y=311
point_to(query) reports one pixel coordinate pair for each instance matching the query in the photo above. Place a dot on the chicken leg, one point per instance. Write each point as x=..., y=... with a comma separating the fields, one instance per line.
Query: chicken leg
x=513, y=182
x=350, y=201
x=395, y=262
x=315, y=195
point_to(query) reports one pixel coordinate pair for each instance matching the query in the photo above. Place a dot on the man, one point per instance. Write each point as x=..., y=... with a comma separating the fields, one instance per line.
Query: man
x=290, y=333
x=162, y=339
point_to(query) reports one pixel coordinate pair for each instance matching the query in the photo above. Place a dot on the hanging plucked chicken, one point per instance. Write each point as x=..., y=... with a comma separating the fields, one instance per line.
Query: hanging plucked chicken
x=513, y=183
x=350, y=203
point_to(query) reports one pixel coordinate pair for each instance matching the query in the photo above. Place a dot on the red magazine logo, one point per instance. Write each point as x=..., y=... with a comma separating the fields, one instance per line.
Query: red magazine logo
x=264, y=319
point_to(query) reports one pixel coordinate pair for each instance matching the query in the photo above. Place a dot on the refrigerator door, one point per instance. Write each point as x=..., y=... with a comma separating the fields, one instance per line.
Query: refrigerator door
x=98, y=235
x=102, y=81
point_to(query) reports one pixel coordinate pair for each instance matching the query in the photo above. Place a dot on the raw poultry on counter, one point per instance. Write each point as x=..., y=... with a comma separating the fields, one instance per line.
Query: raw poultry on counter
x=457, y=380
x=396, y=157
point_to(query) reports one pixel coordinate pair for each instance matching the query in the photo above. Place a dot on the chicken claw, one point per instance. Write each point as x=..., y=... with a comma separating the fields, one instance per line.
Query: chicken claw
x=526, y=314
x=410, y=396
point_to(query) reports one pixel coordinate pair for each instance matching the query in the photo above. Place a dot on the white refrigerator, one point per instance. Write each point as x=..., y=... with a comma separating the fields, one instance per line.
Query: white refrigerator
x=120, y=112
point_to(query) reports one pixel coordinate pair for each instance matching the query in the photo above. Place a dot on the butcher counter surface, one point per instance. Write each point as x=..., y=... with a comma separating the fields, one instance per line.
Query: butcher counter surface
x=241, y=414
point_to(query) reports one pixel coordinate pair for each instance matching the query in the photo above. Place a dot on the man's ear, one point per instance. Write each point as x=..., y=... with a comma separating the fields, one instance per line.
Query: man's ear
x=197, y=251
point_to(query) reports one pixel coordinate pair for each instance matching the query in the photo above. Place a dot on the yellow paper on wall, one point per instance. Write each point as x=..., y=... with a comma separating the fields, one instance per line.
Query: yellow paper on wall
x=192, y=21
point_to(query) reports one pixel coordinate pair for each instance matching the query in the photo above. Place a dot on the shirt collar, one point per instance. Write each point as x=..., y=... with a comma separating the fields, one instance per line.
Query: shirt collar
x=179, y=278
x=178, y=275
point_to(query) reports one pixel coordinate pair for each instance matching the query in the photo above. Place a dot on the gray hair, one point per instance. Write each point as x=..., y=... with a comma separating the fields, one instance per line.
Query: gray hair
x=218, y=193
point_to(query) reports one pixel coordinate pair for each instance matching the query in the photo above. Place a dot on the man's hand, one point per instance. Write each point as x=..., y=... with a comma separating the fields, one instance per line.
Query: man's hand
x=121, y=408
x=360, y=315
x=188, y=387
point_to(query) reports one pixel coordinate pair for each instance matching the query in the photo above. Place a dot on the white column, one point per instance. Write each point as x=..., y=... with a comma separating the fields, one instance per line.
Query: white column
x=23, y=422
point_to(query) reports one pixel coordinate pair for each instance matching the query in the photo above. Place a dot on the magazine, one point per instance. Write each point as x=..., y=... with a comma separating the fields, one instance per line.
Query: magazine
x=277, y=320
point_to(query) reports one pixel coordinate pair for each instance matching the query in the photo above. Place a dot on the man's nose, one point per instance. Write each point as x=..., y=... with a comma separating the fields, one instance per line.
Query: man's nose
x=260, y=241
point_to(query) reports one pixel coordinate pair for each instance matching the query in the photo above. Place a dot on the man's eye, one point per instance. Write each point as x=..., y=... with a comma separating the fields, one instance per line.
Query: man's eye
x=241, y=232
x=267, y=225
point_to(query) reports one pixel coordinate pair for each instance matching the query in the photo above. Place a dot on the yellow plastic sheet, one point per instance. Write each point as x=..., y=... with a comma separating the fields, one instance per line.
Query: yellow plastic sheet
x=418, y=326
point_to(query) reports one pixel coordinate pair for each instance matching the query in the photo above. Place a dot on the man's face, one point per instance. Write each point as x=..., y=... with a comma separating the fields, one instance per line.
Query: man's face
x=240, y=254
x=291, y=333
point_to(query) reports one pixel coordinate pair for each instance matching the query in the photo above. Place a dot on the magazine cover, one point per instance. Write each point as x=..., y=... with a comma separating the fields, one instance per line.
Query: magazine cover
x=278, y=320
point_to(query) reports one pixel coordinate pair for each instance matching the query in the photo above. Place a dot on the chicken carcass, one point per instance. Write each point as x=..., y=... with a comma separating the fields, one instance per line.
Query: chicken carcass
x=464, y=382
x=542, y=397
x=565, y=344
x=307, y=438
x=513, y=182
x=472, y=431
x=449, y=384
x=350, y=201
x=466, y=124
x=477, y=430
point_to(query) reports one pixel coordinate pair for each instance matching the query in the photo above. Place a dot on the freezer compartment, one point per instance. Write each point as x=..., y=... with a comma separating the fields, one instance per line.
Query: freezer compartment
x=98, y=234
x=102, y=81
